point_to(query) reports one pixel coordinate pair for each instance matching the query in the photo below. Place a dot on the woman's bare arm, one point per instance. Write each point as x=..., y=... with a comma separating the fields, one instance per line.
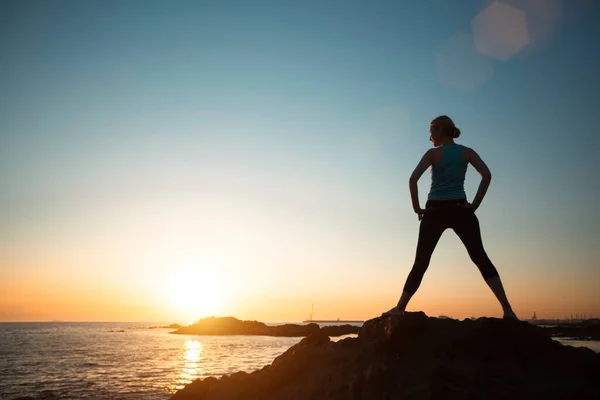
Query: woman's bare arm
x=486, y=177
x=425, y=163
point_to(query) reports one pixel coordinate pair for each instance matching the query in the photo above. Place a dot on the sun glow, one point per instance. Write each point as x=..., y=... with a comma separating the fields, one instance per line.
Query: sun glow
x=196, y=292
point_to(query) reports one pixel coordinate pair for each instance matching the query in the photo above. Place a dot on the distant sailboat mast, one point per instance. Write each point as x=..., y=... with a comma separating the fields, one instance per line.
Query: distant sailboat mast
x=311, y=320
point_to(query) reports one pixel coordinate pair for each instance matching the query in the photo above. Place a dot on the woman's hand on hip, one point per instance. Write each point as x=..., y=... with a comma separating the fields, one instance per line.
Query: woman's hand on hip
x=421, y=212
x=467, y=206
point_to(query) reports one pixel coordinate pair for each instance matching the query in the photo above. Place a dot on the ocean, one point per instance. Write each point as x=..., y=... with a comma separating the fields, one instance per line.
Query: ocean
x=124, y=361
x=119, y=360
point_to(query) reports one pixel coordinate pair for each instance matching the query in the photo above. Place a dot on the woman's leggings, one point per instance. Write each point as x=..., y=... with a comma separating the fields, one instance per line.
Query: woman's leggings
x=447, y=214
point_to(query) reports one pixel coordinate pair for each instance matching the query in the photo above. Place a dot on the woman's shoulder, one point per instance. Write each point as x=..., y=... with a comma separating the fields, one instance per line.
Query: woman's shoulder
x=465, y=149
x=466, y=153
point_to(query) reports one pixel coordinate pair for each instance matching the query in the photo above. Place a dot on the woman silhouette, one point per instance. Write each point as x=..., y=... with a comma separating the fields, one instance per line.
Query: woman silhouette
x=447, y=207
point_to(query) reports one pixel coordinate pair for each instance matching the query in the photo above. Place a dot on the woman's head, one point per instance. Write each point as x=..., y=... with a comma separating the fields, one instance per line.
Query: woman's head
x=441, y=129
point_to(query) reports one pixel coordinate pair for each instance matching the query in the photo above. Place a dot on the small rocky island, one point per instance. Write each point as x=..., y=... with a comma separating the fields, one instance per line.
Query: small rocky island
x=234, y=326
x=417, y=357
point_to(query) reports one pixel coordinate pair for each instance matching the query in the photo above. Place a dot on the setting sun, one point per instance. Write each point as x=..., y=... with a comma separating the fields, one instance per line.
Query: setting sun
x=196, y=291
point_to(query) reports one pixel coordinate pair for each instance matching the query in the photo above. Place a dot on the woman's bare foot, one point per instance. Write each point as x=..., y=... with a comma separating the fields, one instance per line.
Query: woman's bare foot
x=509, y=314
x=392, y=312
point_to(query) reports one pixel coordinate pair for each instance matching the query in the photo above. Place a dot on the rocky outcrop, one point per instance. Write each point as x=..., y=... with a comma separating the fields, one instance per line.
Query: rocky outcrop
x=417, y=357
x=234, y=326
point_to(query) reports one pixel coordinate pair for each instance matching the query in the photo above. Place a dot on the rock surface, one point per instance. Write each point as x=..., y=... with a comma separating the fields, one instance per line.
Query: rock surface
x=417, y=357
x=234, y=326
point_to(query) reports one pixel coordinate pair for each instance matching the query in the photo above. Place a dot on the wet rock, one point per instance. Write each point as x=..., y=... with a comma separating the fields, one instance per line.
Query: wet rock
x=418, y=357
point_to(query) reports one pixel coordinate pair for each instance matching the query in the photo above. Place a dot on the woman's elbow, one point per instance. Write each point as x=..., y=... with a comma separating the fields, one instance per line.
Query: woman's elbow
x=486, y=176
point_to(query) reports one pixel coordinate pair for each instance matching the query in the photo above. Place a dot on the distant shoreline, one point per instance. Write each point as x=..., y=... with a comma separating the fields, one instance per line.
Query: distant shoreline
x=327, y=321
x=234, y=326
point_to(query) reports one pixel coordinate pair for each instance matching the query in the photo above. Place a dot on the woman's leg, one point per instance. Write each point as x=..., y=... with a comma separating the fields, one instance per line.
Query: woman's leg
x=498, y=289
x=430, y=231
x=467, y=228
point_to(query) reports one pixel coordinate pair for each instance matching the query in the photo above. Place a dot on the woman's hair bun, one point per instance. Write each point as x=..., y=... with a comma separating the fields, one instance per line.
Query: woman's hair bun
x=447, y=126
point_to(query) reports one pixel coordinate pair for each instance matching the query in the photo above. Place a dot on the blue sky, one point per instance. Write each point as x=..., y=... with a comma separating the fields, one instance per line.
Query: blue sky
x=277, y=137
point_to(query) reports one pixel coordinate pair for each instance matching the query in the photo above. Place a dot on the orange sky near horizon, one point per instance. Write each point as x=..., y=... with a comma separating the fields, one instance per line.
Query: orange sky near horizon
x=37, y=292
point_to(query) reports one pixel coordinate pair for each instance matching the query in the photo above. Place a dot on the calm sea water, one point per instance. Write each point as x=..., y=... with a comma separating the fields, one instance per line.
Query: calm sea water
x=124, y=361
x=119, y=360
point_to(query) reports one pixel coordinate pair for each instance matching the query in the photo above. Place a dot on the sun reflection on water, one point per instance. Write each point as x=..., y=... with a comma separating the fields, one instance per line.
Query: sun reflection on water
x=191, y=369
x=193, y=350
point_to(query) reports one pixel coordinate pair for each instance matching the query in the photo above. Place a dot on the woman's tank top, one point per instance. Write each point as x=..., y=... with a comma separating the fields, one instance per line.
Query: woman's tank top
x=448, y=175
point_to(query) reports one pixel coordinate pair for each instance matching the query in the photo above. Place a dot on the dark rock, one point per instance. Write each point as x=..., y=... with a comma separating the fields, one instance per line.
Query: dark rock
x=418, y=357
x=340, y=330
x=234, y=326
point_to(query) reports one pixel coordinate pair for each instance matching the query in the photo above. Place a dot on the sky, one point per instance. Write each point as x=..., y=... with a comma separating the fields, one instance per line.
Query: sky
x=173, y=160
